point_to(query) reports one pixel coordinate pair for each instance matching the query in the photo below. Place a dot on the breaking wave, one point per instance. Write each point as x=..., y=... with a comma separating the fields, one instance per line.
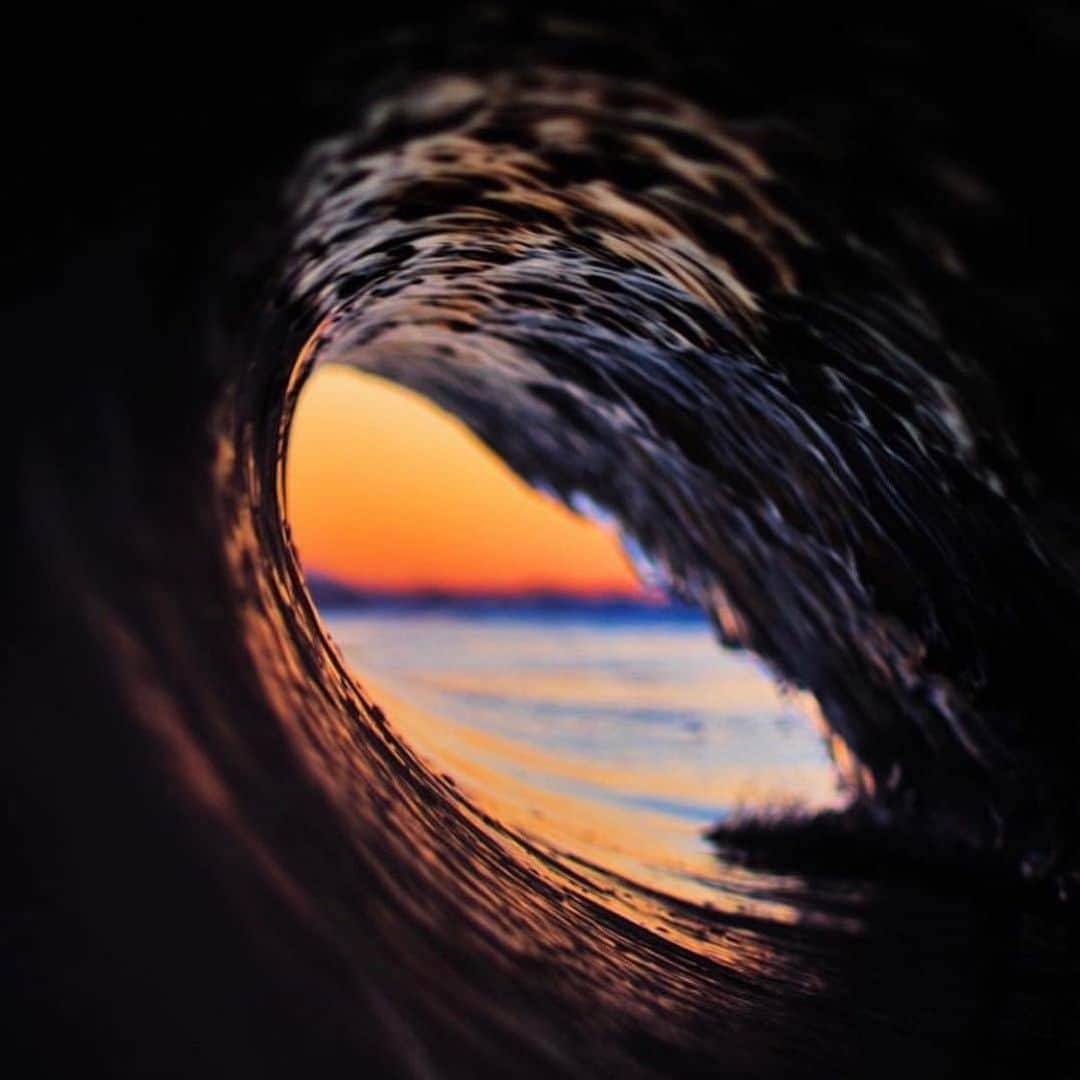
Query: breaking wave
x=764, y=335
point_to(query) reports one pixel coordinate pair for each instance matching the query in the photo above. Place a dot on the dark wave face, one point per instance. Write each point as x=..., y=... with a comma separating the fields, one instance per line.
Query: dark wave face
x=619, y=293
x=783, y=304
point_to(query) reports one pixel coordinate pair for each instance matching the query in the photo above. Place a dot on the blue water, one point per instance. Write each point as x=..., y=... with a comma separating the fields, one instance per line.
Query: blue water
x=616, y=736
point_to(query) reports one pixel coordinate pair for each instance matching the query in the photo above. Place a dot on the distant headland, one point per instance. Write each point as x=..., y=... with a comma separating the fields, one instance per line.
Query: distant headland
x=330, y=594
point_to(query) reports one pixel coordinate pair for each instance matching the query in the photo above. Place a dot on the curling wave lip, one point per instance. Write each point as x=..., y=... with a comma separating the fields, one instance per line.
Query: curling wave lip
x=813, y=395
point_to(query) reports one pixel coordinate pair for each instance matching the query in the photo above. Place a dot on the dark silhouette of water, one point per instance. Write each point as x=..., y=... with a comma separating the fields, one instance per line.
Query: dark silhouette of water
x=784, y=297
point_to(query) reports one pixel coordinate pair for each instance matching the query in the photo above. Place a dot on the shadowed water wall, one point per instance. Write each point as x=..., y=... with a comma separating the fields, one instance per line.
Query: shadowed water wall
x=787, y=305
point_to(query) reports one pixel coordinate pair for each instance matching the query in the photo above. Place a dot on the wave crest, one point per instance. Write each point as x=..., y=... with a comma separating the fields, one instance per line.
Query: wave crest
x=623, y=295
x=764, y=297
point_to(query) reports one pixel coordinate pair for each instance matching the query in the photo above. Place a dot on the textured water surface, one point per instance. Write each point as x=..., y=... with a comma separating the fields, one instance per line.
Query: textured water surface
x=614, y=739
x=783, y=300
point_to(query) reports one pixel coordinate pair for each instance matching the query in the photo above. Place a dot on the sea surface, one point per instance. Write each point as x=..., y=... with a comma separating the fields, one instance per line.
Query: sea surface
x=614, y=739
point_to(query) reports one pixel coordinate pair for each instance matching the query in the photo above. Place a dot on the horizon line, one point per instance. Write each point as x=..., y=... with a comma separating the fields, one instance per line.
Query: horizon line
x=644, y=596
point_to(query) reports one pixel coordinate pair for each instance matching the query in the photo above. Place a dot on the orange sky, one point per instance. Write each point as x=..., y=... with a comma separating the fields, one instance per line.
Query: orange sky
x=385, y=490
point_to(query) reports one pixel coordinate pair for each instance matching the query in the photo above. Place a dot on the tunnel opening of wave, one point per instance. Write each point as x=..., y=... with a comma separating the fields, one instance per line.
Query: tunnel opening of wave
x=530, y=655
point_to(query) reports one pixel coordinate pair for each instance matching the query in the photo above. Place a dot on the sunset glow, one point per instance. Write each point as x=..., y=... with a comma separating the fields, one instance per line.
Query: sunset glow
x=386, y=491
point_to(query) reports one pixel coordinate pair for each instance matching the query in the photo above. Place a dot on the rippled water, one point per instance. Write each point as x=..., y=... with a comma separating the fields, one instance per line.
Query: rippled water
x=618, y=290
x=781, y=301
x=615, y=739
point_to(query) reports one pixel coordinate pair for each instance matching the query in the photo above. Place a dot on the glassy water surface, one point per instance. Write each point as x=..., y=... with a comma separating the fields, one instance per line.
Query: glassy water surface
x=614, y=739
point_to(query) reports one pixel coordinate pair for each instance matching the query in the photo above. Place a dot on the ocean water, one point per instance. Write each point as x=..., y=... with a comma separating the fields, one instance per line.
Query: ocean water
x=616, y=740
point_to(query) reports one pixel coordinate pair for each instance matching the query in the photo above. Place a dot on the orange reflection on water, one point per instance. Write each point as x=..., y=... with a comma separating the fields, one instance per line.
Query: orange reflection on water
x=638, y=858
x=613, y=745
